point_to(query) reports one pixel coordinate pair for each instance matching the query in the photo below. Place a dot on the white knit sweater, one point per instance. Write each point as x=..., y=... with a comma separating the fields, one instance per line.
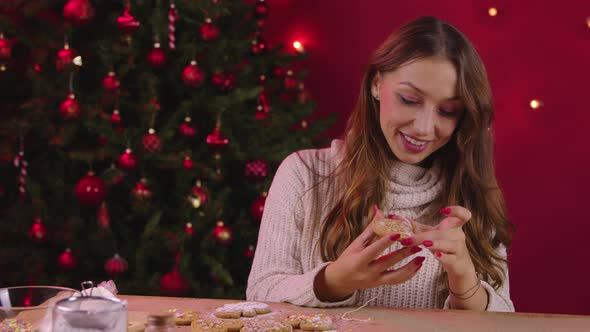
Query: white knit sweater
x=288, y=256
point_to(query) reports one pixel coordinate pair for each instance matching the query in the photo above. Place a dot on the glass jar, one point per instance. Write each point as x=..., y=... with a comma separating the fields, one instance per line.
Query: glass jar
x=160, y=322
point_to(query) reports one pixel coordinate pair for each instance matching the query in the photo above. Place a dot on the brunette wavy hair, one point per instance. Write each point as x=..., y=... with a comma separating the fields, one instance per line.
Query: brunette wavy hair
x=466, y=160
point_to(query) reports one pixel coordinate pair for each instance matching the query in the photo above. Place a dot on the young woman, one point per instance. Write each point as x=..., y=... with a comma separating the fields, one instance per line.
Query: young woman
x=418, y=146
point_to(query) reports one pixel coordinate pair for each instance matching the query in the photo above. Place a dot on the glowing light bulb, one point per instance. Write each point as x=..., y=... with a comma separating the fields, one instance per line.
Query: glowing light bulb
x=536, y=104
x=588, y=22
x=298, y=46
x=492, y=11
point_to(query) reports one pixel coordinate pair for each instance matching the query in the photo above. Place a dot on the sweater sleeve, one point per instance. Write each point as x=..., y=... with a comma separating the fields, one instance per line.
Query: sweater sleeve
x=498, y=300
x=277, y=274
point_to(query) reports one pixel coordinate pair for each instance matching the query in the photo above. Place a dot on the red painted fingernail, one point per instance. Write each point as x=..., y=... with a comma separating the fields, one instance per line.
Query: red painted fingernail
x=415, y=250
x=418, y=268
x=438, y=254
x=446, y=211
x=407, y=241
x=428, y=243
x=419, y=260
x=394, y=237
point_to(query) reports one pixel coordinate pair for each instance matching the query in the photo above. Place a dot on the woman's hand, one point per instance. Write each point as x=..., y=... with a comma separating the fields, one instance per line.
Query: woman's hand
x=446, y=241
x=360, y=266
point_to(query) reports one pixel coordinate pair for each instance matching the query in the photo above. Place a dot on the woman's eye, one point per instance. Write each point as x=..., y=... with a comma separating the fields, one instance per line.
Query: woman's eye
x=407, y=101
x=448, y=113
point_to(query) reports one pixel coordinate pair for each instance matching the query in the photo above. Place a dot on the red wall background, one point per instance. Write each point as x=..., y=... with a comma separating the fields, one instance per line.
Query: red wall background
x=531, y=49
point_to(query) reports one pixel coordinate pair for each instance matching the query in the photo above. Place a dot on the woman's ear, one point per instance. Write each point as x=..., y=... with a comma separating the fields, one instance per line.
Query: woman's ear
x=375, y=84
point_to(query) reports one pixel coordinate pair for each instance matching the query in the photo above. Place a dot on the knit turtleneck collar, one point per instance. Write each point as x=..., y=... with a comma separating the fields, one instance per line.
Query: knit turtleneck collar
x=412, y=188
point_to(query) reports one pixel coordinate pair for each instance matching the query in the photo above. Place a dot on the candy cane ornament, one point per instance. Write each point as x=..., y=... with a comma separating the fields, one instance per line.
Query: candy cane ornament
x=172, y=18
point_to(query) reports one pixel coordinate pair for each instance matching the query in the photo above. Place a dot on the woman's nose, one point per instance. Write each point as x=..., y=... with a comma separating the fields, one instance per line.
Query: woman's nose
x=424, y=122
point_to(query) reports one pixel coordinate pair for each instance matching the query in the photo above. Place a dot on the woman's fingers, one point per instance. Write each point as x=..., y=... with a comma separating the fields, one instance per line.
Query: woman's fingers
x=364, y=238
x=375, y=249
x=367, y=235
x=386, y=261
x=457, y=212
x=403, y=273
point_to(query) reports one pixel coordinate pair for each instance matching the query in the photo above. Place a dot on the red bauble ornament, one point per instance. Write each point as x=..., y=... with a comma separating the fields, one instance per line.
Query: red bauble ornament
x=90, y=190
x=65, y=58
x=263, y=108
x=259, y=46
x=5, y=48
x=193, y=75
x=142, y=191
x=116, y=118
x=216, y=140
x=187, y=130
x=188, y=229
x=225, y=82
x=157, y=57
x=290, y=82
x=257, y=207
x=127, y=161
x=126, y=22
x=111, y=82
x=116, y=266
x=69, y=109
x=198, y=196
x=209, y=31
x=256, y=170
x=38, y=231
x=261, y=112
x=222, y=234
x=174, y=284
x=261, y=9
x=78, y=12
x=151, y=142
x=66, y=260
x=249, y=253
x=187, y=163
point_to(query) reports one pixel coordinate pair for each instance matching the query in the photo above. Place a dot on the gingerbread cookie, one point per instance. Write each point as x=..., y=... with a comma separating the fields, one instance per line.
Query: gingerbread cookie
x=246, y=309
x=385, y=226
x=319, y=322
x=182, y=317
x=260, y=325
x=294, y=320
x=216, y=325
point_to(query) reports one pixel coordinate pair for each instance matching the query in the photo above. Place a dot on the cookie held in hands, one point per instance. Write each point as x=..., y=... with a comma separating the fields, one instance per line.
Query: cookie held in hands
x=385, y=226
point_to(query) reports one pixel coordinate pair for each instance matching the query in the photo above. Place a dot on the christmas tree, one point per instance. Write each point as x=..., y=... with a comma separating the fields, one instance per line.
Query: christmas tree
x=137, y=140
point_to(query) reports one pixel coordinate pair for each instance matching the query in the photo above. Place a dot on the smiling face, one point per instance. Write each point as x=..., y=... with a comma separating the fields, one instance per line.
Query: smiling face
x=418, y=107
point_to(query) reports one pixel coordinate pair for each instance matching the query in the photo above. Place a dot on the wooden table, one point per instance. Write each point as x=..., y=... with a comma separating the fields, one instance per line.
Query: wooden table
x=379, y=319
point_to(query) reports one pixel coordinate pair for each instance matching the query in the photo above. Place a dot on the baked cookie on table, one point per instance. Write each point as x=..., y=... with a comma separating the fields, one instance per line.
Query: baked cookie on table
x=242, y=309
x=263, y=325
x=182, y=317
x=216, y=325
x=319, y=322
